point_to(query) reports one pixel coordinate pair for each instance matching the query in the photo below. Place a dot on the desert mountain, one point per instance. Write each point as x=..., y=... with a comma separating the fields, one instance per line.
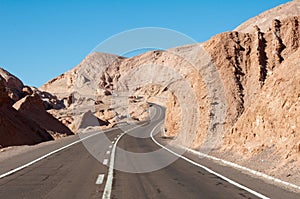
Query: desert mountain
x=78, y=89
x=82, y=77
x=237, y=93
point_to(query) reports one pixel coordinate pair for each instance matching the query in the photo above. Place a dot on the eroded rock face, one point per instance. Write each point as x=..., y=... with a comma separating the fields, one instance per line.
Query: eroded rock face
x=254, y=69
x=78, y=89
x=271, y=123
x=245, y=61
x=81, y=78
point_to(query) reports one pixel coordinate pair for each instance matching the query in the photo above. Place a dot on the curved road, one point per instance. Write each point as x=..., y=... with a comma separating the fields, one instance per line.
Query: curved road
x=70, y=168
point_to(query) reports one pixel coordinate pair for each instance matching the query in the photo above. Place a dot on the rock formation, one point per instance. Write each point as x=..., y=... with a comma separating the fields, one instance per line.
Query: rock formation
x=32, y=107
x=258, y=130
x=269, y=127
x=24, y=119
x=13, y=85
x=14, y=128
x=78, y=89
x=235, y=94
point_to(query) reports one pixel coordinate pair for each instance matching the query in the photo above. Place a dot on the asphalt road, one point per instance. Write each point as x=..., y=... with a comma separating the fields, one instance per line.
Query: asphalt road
x=142, y=170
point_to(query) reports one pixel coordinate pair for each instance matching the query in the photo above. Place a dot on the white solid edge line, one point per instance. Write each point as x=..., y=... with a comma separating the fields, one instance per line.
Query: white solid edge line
x=109, y=181
x=49, y=154
x=100, y=179
x=234, y=165
x=207, y=169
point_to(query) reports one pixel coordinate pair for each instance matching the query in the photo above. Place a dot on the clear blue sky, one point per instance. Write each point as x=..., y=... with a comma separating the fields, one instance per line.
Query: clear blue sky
x=39, y=40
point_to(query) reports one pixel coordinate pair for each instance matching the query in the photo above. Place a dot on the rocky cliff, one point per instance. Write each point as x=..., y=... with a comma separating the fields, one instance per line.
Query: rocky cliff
x=259, y=72
x=267, y=133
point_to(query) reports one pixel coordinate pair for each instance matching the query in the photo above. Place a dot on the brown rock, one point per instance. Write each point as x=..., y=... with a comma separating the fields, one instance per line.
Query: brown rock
x=32, y=107
x=12, y=82
x=4, y=99
x=18, y=130
x=272, y=120
x=14, y=128
x=13, y=85
x=27, y=90
x=89, y=70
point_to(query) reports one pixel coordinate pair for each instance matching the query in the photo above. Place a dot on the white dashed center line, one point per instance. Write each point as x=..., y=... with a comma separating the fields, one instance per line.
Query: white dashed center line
x=107, y=152
x=109, y=181
x=105, y=161
x=100, y=179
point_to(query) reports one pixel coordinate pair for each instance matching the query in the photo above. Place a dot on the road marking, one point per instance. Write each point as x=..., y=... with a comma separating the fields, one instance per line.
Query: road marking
x=207, y=169
x=236, y=166
x=49, y=154
x=115, y=138
x=100, y=179
x=113, y=142
x=110, y=146
x=108, y=185
x=107, y=152
x=105, y=161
